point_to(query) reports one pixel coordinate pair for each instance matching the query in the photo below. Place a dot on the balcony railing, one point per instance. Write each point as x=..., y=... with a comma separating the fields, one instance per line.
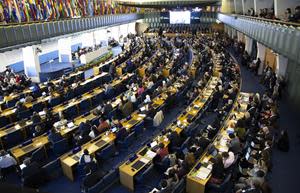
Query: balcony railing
x=168, y=3
x=282, y=37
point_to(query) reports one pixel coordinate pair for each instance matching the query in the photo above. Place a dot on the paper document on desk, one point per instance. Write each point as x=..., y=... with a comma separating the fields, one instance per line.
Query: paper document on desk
x=42, y=113
x=203, y=173
x=70, y=125
x=106, y=138
x=18, y=126
x=223, y=149
x=142, y=115
x=223, y=142
x=150, y=154
x=144, y=160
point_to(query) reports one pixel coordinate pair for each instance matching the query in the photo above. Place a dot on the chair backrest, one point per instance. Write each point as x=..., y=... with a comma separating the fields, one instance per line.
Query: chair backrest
x=24, y=114
x=3, y=121
x=179, y=187
x=85, y=104
x=13, y=138
x=139, y=127
x=225, y=182
x=38, y=155
x=185, y=143
x=111, y=177
x=106, y=152
x=130, y=138
x=38, y=107
x=53, y=169
x=60, y=146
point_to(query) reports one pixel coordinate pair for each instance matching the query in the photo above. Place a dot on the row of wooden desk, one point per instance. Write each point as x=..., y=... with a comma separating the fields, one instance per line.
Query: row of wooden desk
x=64, y=131
x=199, y=176
x=43, y=86
x=74, y=102
x=69, y=161
x=144, y=157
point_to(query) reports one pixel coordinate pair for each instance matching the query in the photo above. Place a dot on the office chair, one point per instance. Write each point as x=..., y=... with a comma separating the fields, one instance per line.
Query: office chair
x=52, y=170
x=127, y=141
x=60, y=147
x=12, y=103
x=24, y=114
x=55, y=101
x=179, y=187
x=13, y=138
x=37, y=107
x=138, y=129
x=84, y=105
x=39, y=155
x=220, y=188
x=4, y=121
x=106, y=153
x=71, y=112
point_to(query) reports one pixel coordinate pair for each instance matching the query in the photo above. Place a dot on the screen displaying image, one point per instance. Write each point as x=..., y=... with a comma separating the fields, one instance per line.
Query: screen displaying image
x=180, y=17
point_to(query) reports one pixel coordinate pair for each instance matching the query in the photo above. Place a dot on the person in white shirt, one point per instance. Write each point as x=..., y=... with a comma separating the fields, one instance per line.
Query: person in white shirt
x=147, y=99
x=228, y=159
x=6, y=162
x=150, y=84
x=93, y=132
x=133, y=98
x=86, y=158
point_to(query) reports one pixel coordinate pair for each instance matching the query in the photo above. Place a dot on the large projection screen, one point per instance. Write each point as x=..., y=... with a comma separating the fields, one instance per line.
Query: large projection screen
x=180, y=17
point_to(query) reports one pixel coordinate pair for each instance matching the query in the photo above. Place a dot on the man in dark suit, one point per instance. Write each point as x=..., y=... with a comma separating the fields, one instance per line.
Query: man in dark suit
x=35, y=118
x=54, y=136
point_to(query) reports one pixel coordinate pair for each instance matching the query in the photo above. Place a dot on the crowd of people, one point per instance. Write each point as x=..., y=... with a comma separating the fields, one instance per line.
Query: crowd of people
x=139, y=91
x=255, y=134
x=249, y=159
x=11, y=82
x=268, y=13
